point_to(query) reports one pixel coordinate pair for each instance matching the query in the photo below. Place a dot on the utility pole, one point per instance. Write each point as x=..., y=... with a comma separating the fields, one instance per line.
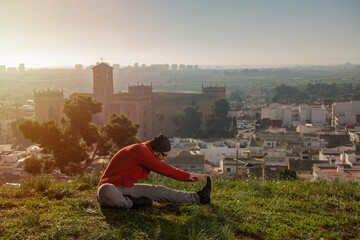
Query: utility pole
x=237, y=162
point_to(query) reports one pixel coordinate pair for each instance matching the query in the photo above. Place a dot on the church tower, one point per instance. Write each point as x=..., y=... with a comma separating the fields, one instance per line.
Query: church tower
x=103, y=90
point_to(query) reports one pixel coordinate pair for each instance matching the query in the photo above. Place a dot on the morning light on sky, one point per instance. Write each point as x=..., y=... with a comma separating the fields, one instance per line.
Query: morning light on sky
x=203, y=32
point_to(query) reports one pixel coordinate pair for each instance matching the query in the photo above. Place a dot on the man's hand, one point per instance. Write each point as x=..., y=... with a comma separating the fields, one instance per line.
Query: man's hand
x=197, y=176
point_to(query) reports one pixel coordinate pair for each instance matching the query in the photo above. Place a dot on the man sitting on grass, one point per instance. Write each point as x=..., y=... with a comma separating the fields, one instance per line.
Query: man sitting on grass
x=117, y=186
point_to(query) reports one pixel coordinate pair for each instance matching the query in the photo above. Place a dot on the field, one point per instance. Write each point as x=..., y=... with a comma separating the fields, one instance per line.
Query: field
x=44, y=209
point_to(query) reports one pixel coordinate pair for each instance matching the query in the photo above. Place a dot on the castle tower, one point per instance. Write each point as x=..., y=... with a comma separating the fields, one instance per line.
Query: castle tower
x=136, y=104
x=48, y=105
x=103, y=89
x=220, y=92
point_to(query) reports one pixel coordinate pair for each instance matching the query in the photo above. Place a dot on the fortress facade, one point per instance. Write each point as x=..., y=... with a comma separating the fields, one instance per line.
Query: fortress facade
x=153, y=111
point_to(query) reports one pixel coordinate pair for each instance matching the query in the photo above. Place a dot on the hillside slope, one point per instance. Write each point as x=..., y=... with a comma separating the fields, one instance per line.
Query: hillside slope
x=43, y=209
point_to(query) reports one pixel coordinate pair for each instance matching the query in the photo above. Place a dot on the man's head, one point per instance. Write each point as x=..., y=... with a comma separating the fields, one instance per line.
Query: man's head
x=161, y=146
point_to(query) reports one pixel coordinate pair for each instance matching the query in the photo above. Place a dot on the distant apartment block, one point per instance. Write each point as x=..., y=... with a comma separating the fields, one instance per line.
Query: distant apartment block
x=21, y=68
x=182, y=67
x=11, y=70
x=189, y=67
x=161, y=67
x=174, y=67
x=79, y=68
x=116, y=67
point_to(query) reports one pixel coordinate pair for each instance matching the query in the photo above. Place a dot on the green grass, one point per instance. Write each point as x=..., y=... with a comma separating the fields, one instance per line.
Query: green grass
x=44, y=209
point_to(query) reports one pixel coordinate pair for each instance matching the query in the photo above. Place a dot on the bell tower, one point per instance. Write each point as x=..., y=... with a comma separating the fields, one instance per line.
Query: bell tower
x=103, y=87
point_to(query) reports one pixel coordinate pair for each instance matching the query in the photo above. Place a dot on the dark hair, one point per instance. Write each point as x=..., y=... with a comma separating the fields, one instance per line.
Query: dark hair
x=160, y=143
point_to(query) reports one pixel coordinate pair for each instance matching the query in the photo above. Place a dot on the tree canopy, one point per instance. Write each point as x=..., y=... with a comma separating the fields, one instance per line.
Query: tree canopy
x=316, y=92
x=17, y=139
x=218, y=123
x=188, y=121
x=76, y=142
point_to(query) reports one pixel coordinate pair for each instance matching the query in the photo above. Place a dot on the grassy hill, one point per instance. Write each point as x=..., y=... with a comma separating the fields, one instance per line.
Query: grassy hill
x=44, y=209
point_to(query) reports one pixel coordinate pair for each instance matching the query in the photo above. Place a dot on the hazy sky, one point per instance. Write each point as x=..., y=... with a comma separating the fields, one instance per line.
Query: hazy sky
x=203, y=32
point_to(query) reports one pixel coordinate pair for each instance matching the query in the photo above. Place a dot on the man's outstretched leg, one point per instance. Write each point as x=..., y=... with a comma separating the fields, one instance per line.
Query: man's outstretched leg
x=161, y=193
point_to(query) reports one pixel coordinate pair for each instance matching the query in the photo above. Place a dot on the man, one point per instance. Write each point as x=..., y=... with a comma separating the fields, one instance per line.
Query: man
x=117, y=186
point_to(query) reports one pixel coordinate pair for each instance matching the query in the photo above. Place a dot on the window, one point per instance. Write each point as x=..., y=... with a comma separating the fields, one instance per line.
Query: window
x=144, y=113
x=192, y=166
x=228, y=169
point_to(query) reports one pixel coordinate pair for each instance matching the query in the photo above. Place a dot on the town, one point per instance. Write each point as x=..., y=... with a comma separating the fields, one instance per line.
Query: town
x=266, y=140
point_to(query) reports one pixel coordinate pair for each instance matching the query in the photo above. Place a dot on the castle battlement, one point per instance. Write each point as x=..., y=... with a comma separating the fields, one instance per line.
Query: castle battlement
x=218, y=90
x=140, y=89
x=49, y=93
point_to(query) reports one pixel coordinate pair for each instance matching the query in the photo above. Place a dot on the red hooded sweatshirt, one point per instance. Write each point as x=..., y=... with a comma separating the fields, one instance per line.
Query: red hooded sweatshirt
x=135, y=162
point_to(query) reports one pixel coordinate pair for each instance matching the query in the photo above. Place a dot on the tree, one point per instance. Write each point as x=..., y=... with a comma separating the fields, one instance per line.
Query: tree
x=76, y=142
x=17, y=138
x=218, y=124
x=36, y=165
x=188, y=121
x=160, y=115
x=234, y=126
x=121, y=131
x=33, y=165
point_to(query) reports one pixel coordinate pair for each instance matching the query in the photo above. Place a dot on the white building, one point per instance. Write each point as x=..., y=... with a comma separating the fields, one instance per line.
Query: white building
x=313, y=142
x=9, y=162
x=290, y=113
x=308, y=128
x=276, y=156
x=345, y=111
x=350, y=158
x=343, y=119
x=213, y=152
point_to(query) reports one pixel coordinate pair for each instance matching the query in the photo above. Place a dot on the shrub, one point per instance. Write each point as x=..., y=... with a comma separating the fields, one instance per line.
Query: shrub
x=35, y=183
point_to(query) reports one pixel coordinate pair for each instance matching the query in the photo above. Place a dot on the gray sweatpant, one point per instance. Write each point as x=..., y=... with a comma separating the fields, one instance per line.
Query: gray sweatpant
x=109, y=195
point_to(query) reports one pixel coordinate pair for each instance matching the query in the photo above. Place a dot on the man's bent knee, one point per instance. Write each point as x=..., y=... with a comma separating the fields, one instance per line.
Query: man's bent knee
x=108, y=195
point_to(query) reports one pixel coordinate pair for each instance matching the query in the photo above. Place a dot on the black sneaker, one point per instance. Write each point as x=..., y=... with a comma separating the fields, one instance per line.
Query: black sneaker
x=205, y=193
x=139, y=202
